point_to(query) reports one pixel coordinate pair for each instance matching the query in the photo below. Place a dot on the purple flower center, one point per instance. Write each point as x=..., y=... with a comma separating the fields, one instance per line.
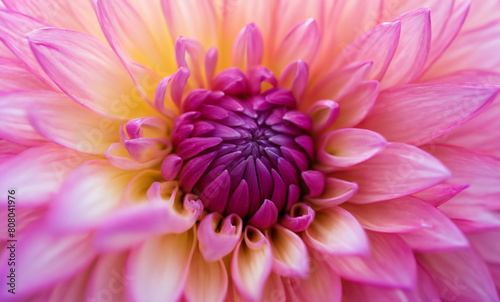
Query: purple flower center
x=243, y=151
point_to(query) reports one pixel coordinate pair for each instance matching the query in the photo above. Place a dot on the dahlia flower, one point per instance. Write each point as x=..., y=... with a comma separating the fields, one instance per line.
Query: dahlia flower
x=264, y=150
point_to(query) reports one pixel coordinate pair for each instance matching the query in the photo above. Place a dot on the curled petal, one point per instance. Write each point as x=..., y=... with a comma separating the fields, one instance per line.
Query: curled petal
x=323, y=114
x=157, y=277
x=336, y=192
x=294, y=77
x=215, y=244
x=315, y=182
x=348, y=147
x=207, y=281
x=290, y=256
x=190, y=54
x=171, y=166
x=336, y=231
x=300, y=218
x=251, y=264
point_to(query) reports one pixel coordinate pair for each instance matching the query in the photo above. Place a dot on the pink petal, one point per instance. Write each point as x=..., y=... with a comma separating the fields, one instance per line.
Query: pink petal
x=424, y=291
x=401, y=114
x=290, y=256
x=191, y=19
x=413, y=48
x=189, y=53
x=274, y=290
x=440, y=194
x=377, y=45
x=59, y=119
x=133, y=224
x=159, y=277
x=354, y=106
x=93, y=185
x=336, y=192
x=15, y=76
x=248, y=48
x=460, y=275
x=424, y=228
x=49, y=163
x=336, y=231
x=323, y=284
x=294, y=77
x=60, y=53
x=129, y=35
x=300, y=43
x=64, y=257
x=348, y=147
x=13, y=28
x=171, y=166
x=266, y=215
x=487, y=244
x=251, y=264
x=398, y=170
x=215, y=243
x=207, y=281
x=337, y=83
x=77, y=15
x=14, y=125
x=109, y=276
x=71, y=288
x=315, y=182
x=391, y=264
x=299, y=219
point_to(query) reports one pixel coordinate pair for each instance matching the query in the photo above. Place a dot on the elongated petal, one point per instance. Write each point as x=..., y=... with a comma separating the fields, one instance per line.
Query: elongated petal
x=159, y=277
x=423, y=227
x=301, y=43
x=323, y=284
x=191, y=19
x=401, y=114
x=207, y=281
x=251, y=264
x=93, y=185
x=413, y=48
x=290, y=256
x=294, y=77
x=336, y=231
x=460, y=275
x=487, y=245
x=15, y=76
x=398, y=170
x=64, y=256
x=108, y=274
x=377, y=45
x=391, y=263
x=59, y=119
x=129, y=35
x=440, y=194
x=347, y=147
x=106, y=89
x=248, y=47
x=214, y=243
x=49, y=163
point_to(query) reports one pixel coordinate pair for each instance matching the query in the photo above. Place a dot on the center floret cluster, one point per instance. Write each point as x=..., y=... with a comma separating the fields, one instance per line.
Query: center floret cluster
x=243, y=149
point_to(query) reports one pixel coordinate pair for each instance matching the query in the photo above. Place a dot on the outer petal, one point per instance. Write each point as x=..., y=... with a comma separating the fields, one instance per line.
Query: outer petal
x=61, y=120
x=191, y=19
x=377, y=45
x=460, y=275
x=159, y=277
x=336, y=231
x=94, y=185
x=106, y=88
x=413, y=48
x=401, y=114
x=323, y=284
x=391, y=263
x=206, y=281
x=38, y=173
x=44, y=254
x=251, y=264
x=398, y=170
x=109, y=278
x=290, y=257
x=424, y=228
x=15, y=76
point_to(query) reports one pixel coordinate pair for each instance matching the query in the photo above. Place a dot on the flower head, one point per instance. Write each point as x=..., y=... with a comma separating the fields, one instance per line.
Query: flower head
x=205, y=150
